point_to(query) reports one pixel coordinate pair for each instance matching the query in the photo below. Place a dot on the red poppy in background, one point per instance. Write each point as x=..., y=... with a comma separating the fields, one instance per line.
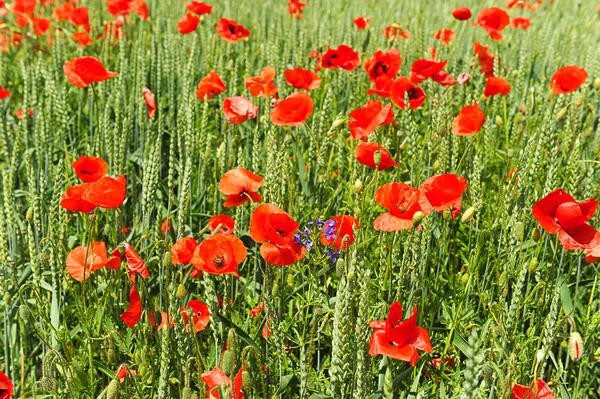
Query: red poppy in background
x=123, y=371
x=384, y=64
x=382, y=87
x=200, y=315
x=150, y=102
x=106, y=192
x=461, y=13
x=85, y=70
x=239, y=109
x=188, y=23
x=342, y=57
x=199, y=7
x=302, y=78
x=7, y=389
x=263, y=85
x=72, y=199
x=183, y=250
x=224, y=223
x=80, y=17
x=63, y=11
x=365, y=154
x=82, y=261
x=231, y=31
x=215, y=379
x=220, y=254
x=463, y=78
x=4, y=93
x=443, y=78
x=133, y=314
x=394, y=32
x=41, y=25
x=520, y=22
x=442, y=192
x=293, y=111
x=23, y=10
x=343, y=236
x=90, y=169
x=274, y=229
x=559, y=213
x=568, y=79
x=495, y=86
x=399, y=339
x=361, y=22
x=295, y=8
x=493, y=20
x=135, y=264
x=486, y=59
x=83, y=38
x=537, y=390
x=364, y=121
x=402, y=202
x=402, y=86
x=209, y=86
x=257, y=310
x=240, y=185
x=469, y=120
x=166, y=225
x=423, y=69
x=120, y=7
x=445, y=36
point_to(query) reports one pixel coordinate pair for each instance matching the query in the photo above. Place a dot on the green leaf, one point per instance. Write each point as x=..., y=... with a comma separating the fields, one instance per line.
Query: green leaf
x=241, y=333
x=565, y=297
x=460, y=343
x=286, y=381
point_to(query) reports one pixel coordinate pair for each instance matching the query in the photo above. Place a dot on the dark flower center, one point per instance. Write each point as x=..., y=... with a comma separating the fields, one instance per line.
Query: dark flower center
x=413, y=93
x=381, y=68
x=231, y=29
x=219, y=262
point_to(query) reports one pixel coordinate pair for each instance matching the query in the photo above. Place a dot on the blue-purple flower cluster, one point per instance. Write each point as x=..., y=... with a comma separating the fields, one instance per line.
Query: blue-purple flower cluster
x=303, y=237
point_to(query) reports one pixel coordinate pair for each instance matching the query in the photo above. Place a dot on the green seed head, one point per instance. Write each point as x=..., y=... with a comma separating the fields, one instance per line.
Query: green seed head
x=48, y=384
x=181, y=291
x=228, y=362
x=112, y=392
x=533, y=264
x=417, y=218
x=246, y=381
x=468, y=215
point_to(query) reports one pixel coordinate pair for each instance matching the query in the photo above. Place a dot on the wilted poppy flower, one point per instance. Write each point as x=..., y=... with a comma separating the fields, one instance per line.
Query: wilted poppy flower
x=209, y=86
x=80, y=17
x=402, y=86
x=224, y=223
x=188, y=24
x=361, y=22
x=83, y=38
x=85, y=70
x=220, y=254
x=493, y=20
x=133, y=314
x=231, y=31
x=4, y=93
x=365, y=154
x=7, y=388
x=495, y=86
x=63, y=11
x=263, y=85
x=135, y=264
x=342, y=57
x=257, y=310
x=423, y=69
x=341, y=232
x=364, y=121
x=274, y=229
x=302, y=78
x=445, y=36
x=443, y=78
x=106, y=192
x=150, y=102
x=463, y=78
x=383, y=64
x=402, y=202
x=215, y=378
x=559, y=213
x=568, y=79
x=521, y=22
x=399, y=339
x=82, y=261
x=486, y=59
x=442, y=192
x=41, y=25
x=240, y=185
x=72, y=199
x=238, y=110
x=461, y=13
x=183, y=250
x=295, y=8
x=199, y=8
x=293, y=111
x=537, y=390
x=200, y=314
x=90, y=169
x=468, y=121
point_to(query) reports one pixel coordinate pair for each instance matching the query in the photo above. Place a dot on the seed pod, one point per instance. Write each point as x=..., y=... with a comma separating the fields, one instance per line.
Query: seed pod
x=377, y=158
x=520, y=231
x=499, y=121
x=340, y=267
x=358, y=186
x=536, y=234
x=561, y=113
x=112, y=392
x=417, y=218
x=246, y=380
x=447, y=213
x=436, y=165
x=338, y=122
x=24, y=312
x=228, y=362
x=181, y=291
x=597, y=83
x=533, y=264
x=468, y=215
x=579, y=101
x=575, y=346
x=232, y=343
x=351, y=276
x=48, y=384
x=464, y=278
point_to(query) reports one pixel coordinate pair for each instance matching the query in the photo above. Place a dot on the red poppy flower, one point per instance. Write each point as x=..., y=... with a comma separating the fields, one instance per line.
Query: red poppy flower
x=106, y=192
x=443, y=78
x=537, y=390
x=468, y=121
x=231, y=31
x=343, y=236
x=384, y=64
x=361, y=22
x=423, y=69
x=295, y=8
x=237, y=384
x=365, y=154
x=166, y=321
x=395, y=31
x=80, y=17
x=83, y=39
x=402, y=202
x=215, y=379
x=364, y=121
x=445, y=36
x=463, y=78
x=402, y=86
x=41, y=25
x=90, y=169
x=399, y=339
x=220, y=254
x=183, y=250
x=150, y=102
x=224, y=223
x=495, y=86
x=257, y=310
x=72, y=199
x=142, y=10
x=85, y=70
x=209, y=86
x=461, y=13
x=293, y=111
x=199, y=8
x=82, y=261
x=274, y=229
x=493, y=20
x=188, y=23
x=238, y=110
x=342, y=57
x=63, y=11
x=200, y=315
x=135, y=264
x=442, y=192
x=382, y=87
x=7, y=389
x=263, y=85
x=302, y=78
x=133, y=314
x=122, y=372
x=120, y=7
x=521, y=22
x=558, y=213
x=4, y=93
x=568, y=79
x=593, y=253
x=240, y=185
x=166, y=225
x=486, y=59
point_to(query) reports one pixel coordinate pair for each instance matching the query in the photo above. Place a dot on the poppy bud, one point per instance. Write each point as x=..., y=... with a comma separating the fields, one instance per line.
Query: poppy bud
x=520, y=231
x=24, y=312
x=377, y=158
x=340, y=267
x=29, y=215
x=447, y=213
x=48, y=384
x=539, y=355
x=579, y=101
x=436, y=165
x=465, y=278
x=510, y=152
x=358, y=186
x=45, y=260
x=246, y=381
x=186, y=393
x=561, y=113
x=575, y=346
x=228, y=362
x=167, y=260
x=338, y=123
x=181, y=291
x=7, y=298
x=112, y=392
x=499, y=121
x=597, y=83
x=482, y=98
x=275, y=289
x=351, y=276
x=290, y=278
x=533, y=264
x=468, y=215
x=590, y=108
x=417, y=218
x=232, y=343
x=536, y=234
x=518, y=118
x=488, y=373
